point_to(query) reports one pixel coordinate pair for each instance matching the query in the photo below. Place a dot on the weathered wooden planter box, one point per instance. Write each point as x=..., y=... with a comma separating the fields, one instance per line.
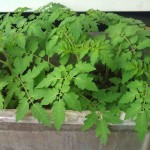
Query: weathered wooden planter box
x=28, y=134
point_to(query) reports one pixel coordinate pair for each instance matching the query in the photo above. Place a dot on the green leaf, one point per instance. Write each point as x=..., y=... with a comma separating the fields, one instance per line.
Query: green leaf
x=37, y=94
x=74, y=72
x=32, y=44
x=106, y=56
x=20, y=94
x=22, y=109
x=128, y=97
x=131, y=30
x=65, y=88
x=12, y=87
x=21, y=40
x=35, y=30
x=83, y=52
x=90, y=121
x=147, y=59
x=22, y=9
x=136, y=85
x=144, y=44
x=21, y=64
x=83, y=81
x=49, y=96
x=67, y=20
x=133, y=39
x=127, y=75
x=115, y=80
x=85, y=103
x=71, y=99
x=104, y=96
x=85, y=67
x=42, y=53
x=46, y=82
x=1, y=101
x=54, y=16
x=102, y=131
x=21, y=22
x=94, y=57
x=133, y=111
x=128, y=66
x=64, y=59
x=51, y=44
x=30, y=84
x=58, y=114
x=117, y=40
x=109, y=117
x=76, y=29
x=40, y=114
x=147, y=97
x=117, y=28
x=141, y=125
x=3, y=84
x=35, y=71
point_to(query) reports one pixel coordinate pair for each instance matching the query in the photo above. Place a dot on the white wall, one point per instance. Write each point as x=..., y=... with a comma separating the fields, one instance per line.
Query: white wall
x=80, y=5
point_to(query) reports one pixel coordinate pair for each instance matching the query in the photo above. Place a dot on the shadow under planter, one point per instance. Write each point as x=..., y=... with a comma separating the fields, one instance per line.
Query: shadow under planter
x=28, y=134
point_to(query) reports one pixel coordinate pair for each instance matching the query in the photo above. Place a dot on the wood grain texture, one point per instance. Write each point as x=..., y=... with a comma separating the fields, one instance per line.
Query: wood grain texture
x=68, y=139
x=30, y=135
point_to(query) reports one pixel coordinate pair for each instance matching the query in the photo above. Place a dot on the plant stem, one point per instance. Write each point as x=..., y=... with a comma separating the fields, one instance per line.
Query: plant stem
x=41, y=59
x=129, y=43
x=23, y=87
x=69, y=40
x=145, y=94
x=77, y=58
x=72, y=46
x=107, y=73
x=10, y=68
x=3, y=62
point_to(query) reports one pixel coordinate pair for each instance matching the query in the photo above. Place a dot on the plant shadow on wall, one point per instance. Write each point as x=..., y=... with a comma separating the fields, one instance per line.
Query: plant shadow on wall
x=106, y=74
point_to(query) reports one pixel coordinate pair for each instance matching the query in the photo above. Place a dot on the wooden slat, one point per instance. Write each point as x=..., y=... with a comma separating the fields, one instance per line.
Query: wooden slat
x=30, y=135
x=71, y=117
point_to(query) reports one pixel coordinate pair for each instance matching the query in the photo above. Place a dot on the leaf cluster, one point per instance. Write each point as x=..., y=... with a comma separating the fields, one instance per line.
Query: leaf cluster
x=57, y=59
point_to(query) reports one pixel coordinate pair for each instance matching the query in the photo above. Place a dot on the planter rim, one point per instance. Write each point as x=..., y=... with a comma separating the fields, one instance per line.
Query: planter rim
x=71, y=117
